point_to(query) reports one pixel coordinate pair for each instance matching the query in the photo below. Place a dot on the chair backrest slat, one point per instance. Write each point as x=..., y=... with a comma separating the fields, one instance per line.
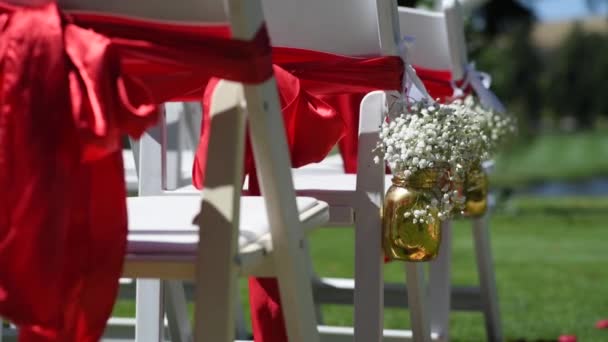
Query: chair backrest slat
x=388, y=27
x=346, y=27
x=429, y=31
x=439, y=37
x=454, y=19
x=188, y=11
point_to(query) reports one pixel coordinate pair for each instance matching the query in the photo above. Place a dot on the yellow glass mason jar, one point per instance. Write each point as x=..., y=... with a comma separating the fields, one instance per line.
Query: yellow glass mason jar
x=402, y=239
x=476, y=191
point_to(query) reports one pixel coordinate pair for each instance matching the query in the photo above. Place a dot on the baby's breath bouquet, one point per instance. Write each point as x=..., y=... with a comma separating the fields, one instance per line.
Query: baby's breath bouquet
x=433, y=135
x=497, y=127
x=435, y=152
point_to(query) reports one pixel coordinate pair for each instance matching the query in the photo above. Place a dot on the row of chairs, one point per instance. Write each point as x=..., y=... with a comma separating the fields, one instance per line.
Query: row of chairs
x=270, y=239
x=444, y=51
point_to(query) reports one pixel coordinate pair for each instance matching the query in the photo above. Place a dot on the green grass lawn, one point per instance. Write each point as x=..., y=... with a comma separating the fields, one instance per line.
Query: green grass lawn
x=551, y=260
x=554, y=157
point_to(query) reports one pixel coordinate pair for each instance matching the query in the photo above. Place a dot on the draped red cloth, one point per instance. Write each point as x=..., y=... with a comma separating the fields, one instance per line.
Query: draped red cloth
x=313, y=89
x=71, y=85
x=437, y=82
x=317, y=91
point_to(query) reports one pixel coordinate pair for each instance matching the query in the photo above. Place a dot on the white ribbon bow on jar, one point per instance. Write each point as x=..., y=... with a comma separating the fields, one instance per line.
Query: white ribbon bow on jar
x=480, y=82
x=412, y=88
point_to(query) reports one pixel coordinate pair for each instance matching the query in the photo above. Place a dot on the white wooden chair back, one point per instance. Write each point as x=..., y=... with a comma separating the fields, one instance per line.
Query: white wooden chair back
x=322, y=25
x=188, y=11
x=439, y=41
x=454, y=18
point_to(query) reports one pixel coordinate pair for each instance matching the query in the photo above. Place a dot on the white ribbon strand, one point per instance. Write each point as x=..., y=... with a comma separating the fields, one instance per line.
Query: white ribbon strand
x=480, y=82
x=411, y=81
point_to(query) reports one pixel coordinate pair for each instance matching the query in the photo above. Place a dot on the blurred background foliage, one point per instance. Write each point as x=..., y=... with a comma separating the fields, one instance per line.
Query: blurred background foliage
x=550, y=86
x=554, y=77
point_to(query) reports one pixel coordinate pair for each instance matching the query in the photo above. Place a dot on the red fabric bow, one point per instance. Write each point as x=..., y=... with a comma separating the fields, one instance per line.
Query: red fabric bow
x=318, y=93
x=175, y=62
x=71, y=86
x=64, y=105
x=440, y=83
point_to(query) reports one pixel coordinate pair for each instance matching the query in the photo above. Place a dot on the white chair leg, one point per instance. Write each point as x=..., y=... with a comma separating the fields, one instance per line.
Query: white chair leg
x=487, y=279
x=440, y=284
x=369, y=277
x=288, y=253
x=318, y=307
x=313, y=278
x=417, y=302
x=369, y=284
x=241, y=326
x=216, y=279
x=176, y=307
x=135, y=150
x=217, y=254
x=149, y=313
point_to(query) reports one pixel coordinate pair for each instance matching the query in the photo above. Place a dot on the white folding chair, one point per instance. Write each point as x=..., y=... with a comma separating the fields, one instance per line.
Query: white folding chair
x=313, y=26
x=372, y=30
x=439, y=44
x=163, y=242
x=149, y=245
x=290, y=25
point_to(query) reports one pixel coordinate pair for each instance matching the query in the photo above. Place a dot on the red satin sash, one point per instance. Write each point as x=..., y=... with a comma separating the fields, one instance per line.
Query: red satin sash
x=319, y=93
x=71, y=86
x=437, y=82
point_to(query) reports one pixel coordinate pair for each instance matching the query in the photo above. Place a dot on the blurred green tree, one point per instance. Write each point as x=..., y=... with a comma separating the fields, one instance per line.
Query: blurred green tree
x=498, y=34
x=568, y=81
x=577, y=77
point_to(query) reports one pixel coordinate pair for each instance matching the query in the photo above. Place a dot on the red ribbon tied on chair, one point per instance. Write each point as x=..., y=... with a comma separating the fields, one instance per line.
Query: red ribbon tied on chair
x=71, y=85
x=320, y=95
x=64, y=105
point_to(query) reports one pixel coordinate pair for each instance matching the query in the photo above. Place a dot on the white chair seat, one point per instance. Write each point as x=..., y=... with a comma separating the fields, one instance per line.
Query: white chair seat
x=332, y=184
x=328, y=182
x=162, y=225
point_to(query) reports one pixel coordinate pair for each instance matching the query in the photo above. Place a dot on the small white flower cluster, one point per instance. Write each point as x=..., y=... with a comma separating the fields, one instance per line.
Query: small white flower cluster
x=498, y=127
x=441, y=201
x=434, y=135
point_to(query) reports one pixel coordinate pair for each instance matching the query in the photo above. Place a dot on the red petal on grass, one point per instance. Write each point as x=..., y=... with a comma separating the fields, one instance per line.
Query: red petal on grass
x=567, y=338
x=602, y=324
